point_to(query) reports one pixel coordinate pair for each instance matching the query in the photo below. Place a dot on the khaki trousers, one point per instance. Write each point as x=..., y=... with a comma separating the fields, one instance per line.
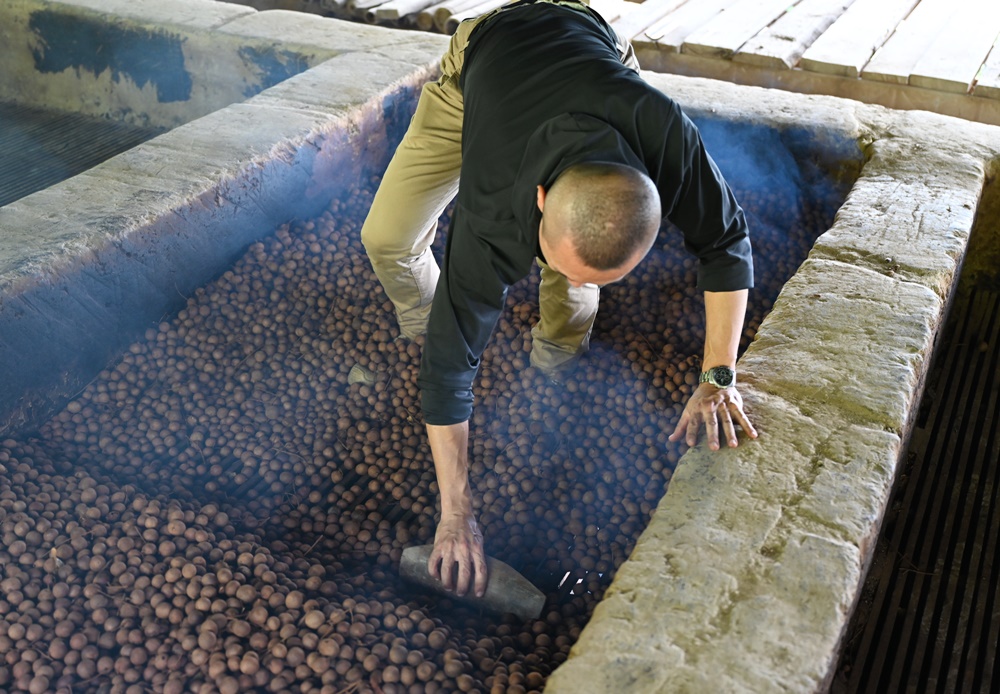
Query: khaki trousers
x=421, y=180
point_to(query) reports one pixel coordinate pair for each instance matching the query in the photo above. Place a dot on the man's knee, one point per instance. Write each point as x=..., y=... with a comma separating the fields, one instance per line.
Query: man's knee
x=377, y=243
x=393, y=241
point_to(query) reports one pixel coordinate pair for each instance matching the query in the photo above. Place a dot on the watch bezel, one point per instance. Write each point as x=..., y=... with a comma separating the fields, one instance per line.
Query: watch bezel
x=712, y=376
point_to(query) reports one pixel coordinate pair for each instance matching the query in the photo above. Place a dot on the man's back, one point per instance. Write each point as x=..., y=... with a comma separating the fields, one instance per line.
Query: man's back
x=529, y=65
x=545, y=88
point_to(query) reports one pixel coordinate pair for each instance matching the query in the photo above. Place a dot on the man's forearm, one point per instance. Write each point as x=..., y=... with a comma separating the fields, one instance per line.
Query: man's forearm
x=724, y=312
x=450, y=450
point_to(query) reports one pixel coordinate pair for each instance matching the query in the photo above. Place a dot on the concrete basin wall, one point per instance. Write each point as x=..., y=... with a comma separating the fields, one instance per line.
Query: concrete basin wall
x=746, y=576
x=87, y=264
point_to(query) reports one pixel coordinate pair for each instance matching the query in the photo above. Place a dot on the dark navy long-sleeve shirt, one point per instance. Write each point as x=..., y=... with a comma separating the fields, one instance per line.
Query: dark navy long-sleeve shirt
x=544, y=88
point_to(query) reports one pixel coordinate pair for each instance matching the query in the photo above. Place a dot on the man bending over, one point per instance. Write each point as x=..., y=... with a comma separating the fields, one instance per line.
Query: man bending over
x=560, y=154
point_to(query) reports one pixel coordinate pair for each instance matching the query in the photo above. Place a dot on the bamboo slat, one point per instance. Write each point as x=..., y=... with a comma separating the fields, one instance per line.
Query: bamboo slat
x=847, y=46
x=782, y=44
x=952, y=62
x=901, y=52
x=730, y=29
x=437, y=14
x=395, y=9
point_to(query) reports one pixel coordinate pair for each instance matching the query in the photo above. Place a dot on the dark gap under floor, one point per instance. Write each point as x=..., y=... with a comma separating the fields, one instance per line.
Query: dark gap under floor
x=40, y=148
x=929, y=614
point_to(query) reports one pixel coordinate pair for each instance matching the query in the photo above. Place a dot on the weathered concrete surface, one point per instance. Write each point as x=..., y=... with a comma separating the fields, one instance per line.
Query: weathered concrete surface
x=746, y=576
x=193, y=14
x=86, y=265
x=837, y=326
x=912, y=214
x=162, y=64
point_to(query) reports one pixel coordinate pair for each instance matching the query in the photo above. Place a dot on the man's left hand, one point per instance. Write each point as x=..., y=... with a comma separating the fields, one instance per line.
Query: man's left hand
x=713, y=406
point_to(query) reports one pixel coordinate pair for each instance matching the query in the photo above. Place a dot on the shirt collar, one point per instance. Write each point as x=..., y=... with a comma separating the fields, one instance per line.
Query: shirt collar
x=557, y=144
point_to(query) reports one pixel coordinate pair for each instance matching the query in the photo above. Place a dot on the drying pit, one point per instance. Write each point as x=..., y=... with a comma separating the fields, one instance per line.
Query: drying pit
x=221, y=509
x=227, y=503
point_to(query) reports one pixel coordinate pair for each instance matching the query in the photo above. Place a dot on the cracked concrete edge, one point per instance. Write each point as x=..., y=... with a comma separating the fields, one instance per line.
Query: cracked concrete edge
x=746, y=576
x=109, y=251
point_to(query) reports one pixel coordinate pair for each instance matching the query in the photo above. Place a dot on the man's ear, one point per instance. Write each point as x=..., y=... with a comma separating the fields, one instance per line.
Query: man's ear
x=540, y=196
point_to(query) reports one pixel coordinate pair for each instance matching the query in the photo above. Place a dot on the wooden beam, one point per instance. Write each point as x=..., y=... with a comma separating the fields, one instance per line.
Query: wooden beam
x=952, y=62
x=437, y=14
x=782, y=44
x=610, y=10
x=897, y=96
x=670, y=32
x=988, y=83
x=730, y=29
x=395, y=9
x=637, y=18
x=847, y=46
x=897, y=58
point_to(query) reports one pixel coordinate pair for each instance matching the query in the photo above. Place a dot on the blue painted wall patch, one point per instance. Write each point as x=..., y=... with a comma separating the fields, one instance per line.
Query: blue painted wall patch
x=91, y=45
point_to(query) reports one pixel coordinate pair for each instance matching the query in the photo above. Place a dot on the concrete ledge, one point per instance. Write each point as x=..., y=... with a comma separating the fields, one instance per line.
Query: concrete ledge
x=191, y=14
x=839, y=330
x=908, y=192
x=746, y=576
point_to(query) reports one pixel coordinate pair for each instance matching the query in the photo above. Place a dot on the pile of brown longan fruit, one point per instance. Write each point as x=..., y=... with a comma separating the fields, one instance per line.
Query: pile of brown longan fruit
x=220, y=510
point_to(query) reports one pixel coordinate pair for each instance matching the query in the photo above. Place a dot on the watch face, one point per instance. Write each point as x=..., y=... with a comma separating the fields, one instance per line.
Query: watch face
x=722, y=376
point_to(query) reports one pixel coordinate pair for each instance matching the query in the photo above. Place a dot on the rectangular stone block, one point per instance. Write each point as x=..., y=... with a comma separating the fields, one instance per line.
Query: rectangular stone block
x=846, y=338
x=912, y=215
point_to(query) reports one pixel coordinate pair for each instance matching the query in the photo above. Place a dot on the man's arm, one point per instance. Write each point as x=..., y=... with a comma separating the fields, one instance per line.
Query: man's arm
x=724, y=313
x=467, y=303
x=458, y=539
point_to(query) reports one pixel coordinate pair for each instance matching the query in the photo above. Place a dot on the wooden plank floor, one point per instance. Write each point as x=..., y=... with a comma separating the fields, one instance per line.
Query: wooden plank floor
x=933, y=55
x=937, y=55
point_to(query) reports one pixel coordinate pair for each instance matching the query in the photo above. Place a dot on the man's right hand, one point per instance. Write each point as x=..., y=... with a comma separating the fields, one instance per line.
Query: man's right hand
x=458, y=559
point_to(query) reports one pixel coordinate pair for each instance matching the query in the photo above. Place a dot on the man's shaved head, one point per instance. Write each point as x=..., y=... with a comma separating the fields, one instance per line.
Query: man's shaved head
x=608, y=212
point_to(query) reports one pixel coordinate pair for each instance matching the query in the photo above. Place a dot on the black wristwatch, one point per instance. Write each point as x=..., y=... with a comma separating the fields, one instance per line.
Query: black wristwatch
x=719, y=376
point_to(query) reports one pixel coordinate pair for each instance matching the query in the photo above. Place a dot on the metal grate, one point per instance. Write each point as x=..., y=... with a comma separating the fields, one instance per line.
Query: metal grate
x=928, y=618
x=40, y=148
